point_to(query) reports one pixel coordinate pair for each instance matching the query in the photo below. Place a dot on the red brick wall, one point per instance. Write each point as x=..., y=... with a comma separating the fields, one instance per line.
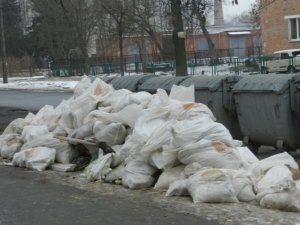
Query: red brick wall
x=273, y=25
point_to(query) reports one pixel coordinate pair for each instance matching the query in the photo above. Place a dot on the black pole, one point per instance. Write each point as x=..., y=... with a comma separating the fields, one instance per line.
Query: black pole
x=3, y=55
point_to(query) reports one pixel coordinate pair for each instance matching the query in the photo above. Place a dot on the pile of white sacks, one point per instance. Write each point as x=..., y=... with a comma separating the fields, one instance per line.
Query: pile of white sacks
x=167, y=142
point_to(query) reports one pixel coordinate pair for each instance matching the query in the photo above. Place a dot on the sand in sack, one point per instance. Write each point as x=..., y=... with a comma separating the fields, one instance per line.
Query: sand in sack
x=211, y=186
x=208, y=153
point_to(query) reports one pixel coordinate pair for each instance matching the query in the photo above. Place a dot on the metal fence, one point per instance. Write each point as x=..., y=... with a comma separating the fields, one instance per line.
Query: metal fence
x=155, y=62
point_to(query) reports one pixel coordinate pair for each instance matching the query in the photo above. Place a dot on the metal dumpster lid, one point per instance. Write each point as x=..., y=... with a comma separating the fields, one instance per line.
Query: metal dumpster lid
x=264, y=83
x=212, y=83
x=107, y=79
x=165, y=83
x=129, y=82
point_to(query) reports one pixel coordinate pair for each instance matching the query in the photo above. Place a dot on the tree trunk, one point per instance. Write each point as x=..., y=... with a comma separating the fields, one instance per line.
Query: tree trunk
x=179, y=43
x=121, y=52
x=211, y=45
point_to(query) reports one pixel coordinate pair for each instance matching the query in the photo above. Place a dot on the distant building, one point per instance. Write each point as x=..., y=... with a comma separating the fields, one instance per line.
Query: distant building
x=280, y=25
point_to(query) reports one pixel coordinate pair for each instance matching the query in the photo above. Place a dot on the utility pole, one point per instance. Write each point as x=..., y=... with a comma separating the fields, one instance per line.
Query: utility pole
x=3, y=55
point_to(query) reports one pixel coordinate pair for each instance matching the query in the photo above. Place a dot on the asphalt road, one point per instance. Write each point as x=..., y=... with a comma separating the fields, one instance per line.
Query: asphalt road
x=29, y=198
x=31, y=100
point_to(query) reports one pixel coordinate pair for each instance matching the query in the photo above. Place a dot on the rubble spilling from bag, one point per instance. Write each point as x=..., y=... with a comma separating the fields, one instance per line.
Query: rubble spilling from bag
x=140, y=140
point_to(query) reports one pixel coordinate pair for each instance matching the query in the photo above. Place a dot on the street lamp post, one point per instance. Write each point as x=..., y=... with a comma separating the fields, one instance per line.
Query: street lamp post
x=3, y=55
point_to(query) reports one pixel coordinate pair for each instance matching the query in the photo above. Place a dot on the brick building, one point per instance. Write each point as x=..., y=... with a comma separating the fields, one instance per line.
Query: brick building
x=280, y=25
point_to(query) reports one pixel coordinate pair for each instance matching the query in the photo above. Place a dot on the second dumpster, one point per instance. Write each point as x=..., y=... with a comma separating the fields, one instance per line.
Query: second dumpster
x=268, y=110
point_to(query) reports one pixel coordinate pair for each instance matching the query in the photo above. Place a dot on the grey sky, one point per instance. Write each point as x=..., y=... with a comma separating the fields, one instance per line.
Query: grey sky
x=231, y=11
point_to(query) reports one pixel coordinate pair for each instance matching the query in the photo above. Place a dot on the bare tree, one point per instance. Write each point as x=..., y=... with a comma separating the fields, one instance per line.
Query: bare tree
x=116, y=11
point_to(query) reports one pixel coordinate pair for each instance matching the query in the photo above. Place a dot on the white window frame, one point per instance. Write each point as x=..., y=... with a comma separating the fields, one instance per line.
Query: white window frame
x=289, y=18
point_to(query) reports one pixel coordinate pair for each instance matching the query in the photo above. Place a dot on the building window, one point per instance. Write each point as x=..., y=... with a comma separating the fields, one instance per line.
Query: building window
x=294, y=28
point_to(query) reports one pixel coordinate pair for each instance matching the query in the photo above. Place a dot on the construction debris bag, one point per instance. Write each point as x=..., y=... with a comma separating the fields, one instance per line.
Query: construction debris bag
x=208, y=153
x=9, y=145
x=16, y=127
x=30, y=133
x=178, y=188
x=115, y=174
x=99, y=168
x=138, y=174
x=82, y=86
x=35, y=158
x=168, y=176
x=64, y=152
x=211, y=186
x=112, y=134
x=166, y=157
x=191, y=131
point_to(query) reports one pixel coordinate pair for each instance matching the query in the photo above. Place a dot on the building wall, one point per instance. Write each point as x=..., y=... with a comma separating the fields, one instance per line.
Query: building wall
x=274, y=26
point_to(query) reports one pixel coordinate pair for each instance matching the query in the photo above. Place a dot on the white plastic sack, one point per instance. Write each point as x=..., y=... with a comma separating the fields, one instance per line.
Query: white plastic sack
x=184, y=94
x=126, y=116
x=286, y=201
x=35, y=158
x=112, y=134
x=64, y=152
x=16, y=127
x=164, y=158
x=138, y=175
x=32, y=132
x=82, y=132
x=277, y=178
x=9, y=145
x=259, y=168
x=47, y=116
x=159, y=137
x=178, y=188
x=168, y=176
x=115, y=174
x=211, y=186
x=209, y=154
x=192, y=131
x=82, y=86
x=99, y=168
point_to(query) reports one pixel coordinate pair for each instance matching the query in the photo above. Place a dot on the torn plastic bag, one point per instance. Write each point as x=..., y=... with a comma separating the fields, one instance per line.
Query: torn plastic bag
x=168, y=176
x=35, y=158
x=9, y=145
x=99, y=168
x=208, y=153
x=138, y=174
